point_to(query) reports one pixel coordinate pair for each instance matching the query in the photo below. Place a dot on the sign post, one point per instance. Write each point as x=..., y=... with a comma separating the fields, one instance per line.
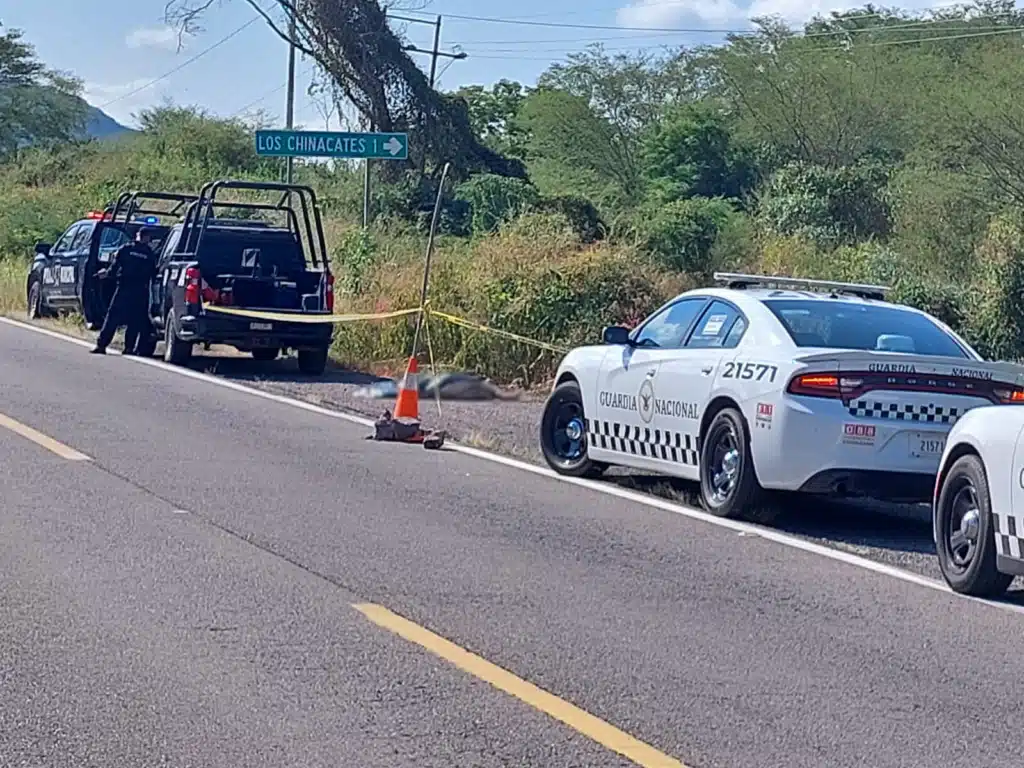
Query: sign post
x=364, y=146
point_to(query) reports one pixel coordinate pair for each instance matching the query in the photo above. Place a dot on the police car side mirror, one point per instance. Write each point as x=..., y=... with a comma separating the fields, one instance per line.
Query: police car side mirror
x=43, y=249
x=616, y=334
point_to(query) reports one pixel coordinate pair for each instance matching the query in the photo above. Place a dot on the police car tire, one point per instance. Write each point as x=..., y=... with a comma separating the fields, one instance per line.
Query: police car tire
x=747, y=492
x=980, y=578
x=35, y=301
x=313, y=362
x=176, y=351
x=582, y=467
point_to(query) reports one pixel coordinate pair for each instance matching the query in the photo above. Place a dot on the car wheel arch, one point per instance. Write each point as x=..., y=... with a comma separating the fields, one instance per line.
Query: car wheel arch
x=566, y=376
x=961, y=449
x=715, y=405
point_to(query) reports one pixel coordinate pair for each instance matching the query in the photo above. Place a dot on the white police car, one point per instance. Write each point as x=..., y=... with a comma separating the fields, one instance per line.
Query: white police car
x=773, y=383
x=978, y=505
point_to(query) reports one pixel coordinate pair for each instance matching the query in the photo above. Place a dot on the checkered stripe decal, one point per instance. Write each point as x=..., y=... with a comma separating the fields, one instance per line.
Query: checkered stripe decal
x=1009, y=541
x=641, y=441
x=933, y=414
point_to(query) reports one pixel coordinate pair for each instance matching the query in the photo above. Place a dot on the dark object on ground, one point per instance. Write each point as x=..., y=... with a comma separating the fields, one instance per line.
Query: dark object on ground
x=452, y=386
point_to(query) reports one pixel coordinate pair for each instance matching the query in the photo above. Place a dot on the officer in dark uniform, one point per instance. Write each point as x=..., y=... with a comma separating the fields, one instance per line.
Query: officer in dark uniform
x=133, y=266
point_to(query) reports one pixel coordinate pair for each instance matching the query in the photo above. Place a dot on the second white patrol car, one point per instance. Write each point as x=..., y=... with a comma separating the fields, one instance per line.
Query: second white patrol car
x=773, y=383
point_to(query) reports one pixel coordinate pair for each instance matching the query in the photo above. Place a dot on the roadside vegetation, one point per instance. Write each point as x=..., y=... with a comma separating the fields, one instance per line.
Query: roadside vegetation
x=871, y=146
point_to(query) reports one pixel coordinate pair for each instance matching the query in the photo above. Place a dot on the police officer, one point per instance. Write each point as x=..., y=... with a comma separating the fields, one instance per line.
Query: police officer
x=133, y=266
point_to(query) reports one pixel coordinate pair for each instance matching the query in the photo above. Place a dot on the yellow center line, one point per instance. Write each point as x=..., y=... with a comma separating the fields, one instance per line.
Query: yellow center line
x=590, y=726
x=42, y=440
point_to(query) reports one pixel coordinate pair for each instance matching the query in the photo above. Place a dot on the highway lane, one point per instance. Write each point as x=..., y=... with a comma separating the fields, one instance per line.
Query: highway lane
x=716, y=648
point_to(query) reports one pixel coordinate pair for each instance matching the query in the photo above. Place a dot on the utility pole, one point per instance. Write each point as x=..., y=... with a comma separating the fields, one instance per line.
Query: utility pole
x=435, y=53
x=290, y=105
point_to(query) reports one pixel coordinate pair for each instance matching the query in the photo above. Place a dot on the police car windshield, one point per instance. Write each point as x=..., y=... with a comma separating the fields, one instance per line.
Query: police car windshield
x=846, y=325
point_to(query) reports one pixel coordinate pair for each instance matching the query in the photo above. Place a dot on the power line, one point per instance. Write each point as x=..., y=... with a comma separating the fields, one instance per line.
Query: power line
x=181, y=66
x=710, y=31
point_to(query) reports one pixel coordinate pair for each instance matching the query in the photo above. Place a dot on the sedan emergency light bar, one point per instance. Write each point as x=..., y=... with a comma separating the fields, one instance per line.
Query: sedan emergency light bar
x=738, y=281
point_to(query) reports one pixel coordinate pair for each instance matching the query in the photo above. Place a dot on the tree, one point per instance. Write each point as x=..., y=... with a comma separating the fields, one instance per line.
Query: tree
x=574, y=151
x=691, y=152
x=354, y=44
x=37, y=105
x=493, y=113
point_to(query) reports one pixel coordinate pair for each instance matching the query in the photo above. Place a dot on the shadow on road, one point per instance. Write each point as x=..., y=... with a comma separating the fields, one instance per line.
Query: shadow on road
x=284, y=370
x=902, y=528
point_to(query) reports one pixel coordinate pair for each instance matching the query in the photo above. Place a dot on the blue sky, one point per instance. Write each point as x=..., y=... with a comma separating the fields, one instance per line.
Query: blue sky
x=119, y=47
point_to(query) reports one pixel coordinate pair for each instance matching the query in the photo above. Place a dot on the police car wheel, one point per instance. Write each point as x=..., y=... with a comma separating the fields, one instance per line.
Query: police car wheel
x=966, y=542
x=176, y=351
x=563, y=433
x=728, y=484
x=35, y=301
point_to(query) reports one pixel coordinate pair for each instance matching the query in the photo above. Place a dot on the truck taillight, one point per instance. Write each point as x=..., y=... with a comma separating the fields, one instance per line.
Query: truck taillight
x=330, y=293
x=192, y=285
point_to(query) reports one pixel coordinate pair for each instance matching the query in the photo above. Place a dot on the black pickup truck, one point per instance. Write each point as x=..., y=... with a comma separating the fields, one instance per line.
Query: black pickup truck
x=212, y=273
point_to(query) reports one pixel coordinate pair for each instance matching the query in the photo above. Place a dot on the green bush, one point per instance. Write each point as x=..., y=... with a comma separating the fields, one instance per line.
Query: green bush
x=681, y=235
x=581, y=214
x=827, y=206
x=995, y=298
x=495, y=199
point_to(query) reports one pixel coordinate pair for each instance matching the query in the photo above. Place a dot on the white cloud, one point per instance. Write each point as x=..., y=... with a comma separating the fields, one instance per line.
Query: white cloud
x=719, y=13
x=648, y=14
x=153, y=37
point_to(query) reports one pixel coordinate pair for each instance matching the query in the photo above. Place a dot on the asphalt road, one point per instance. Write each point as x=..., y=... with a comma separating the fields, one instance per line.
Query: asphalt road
x=186, y=598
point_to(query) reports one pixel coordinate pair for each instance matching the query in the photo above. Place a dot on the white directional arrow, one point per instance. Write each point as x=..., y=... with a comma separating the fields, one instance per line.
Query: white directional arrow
x=393, y=145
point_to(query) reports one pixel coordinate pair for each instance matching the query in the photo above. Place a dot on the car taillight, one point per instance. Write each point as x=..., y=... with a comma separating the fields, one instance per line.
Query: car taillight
x=192, y=283
x=330, y=293
x=1014, y=396
x=815, y=385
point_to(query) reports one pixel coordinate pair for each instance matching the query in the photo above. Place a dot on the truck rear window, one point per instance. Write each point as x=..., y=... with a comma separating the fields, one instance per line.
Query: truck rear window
x=243, y=251
x=845, y=325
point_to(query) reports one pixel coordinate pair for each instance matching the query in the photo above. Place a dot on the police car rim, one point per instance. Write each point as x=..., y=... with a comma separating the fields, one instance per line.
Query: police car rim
x=725, y=464
x=964, y=526
x=568, y=431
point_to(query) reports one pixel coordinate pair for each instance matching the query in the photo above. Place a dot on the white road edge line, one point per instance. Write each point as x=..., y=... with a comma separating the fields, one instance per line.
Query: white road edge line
x=632, y=496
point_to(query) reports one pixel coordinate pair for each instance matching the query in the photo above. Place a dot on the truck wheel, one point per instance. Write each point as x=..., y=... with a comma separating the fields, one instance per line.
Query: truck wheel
x=176, y=351
x=563, y=434
x=966, y=544
x=34, y=301
x=728, y=484
x=313, y=361
x=266, y=355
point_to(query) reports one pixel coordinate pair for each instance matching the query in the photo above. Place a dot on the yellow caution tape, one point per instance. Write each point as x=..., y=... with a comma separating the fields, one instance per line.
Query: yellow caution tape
x=287, y=317
x=487, y=329
x=317, y=319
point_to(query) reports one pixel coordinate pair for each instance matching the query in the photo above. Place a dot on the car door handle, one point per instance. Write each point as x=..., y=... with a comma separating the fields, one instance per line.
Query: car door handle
x=706, y=370
x=651, y=372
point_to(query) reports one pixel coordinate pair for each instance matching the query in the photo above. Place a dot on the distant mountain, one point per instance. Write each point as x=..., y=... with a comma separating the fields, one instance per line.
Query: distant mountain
x=100, y=125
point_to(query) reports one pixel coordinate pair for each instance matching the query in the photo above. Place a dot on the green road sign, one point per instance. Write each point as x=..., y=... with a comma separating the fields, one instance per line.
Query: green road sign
x=372, y=146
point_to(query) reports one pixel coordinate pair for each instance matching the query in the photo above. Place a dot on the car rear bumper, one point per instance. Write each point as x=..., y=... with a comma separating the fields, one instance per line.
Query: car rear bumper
x=819, y=447
x=247, y=333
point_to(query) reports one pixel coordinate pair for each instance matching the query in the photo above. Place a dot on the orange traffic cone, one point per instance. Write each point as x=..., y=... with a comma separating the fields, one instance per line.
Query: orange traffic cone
x=407, y=406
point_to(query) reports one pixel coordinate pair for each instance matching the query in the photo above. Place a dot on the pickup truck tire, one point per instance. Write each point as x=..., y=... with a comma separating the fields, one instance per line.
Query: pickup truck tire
x=266, y=355
x=176, y=351
x=313, y=361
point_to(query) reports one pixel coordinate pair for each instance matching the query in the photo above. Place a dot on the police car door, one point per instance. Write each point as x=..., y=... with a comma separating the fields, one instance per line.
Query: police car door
x=73, y=262
x=625, y=428
x=688, y=378
x=54, y=287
